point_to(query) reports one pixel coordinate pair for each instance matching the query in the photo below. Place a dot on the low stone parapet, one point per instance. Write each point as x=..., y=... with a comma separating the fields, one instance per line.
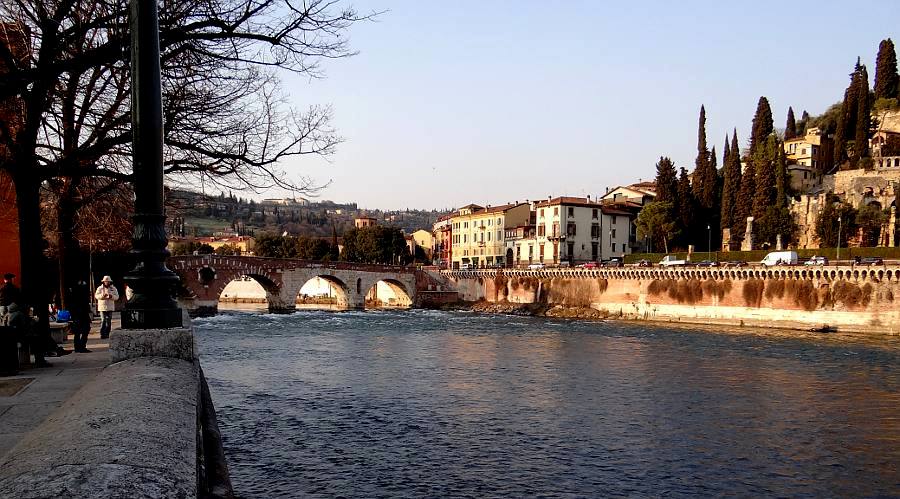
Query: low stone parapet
x=131, y=432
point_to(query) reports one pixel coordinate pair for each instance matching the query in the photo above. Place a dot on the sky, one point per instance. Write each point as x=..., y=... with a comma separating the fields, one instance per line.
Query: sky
x=488, y=102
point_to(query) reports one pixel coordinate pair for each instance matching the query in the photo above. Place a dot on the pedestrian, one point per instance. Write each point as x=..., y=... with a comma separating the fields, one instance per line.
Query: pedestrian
x=26, y=330
x=81, y=315
x=106, y=296
x=9, y=294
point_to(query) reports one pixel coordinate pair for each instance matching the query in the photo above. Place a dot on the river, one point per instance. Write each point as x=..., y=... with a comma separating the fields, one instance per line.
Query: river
x=422, y=403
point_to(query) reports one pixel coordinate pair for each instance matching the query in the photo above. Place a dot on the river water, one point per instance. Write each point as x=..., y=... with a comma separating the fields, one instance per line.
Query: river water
x=452, y=404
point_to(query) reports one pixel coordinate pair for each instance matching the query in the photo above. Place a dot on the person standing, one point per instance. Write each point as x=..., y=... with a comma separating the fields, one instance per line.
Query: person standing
x=106, y=296
x=9, y=294
x=81, y=316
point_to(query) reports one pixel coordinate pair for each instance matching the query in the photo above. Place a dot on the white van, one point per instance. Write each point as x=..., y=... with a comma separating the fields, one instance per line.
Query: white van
x=780, y=258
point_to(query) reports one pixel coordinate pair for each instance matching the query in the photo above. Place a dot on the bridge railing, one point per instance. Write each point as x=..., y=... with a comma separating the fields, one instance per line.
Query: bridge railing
x=888, y=273
x=264, y=261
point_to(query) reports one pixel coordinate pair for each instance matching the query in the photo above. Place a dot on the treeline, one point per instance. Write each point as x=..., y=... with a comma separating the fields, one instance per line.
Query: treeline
x=378, y=244
x=694, y=208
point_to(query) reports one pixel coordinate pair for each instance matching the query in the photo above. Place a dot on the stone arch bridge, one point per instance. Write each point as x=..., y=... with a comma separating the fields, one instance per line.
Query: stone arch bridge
x=204, y=277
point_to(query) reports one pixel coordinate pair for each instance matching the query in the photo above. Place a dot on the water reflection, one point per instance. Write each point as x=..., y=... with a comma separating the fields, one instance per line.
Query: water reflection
x=419, y=403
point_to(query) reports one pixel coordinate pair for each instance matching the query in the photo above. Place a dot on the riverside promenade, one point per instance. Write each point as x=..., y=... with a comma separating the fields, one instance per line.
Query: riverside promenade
x=28, y=398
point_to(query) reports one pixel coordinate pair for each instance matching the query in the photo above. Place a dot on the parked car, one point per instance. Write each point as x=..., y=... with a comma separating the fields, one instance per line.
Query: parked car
x=564, y=265
x=869, y=260
x=672, y=261
x=535, y=266
x=588, y=265
x=708, y=263
x=612, y=262
x=816, y=260
x=644, y=263
x=780, y=258
x=467, y=266
x=735, y=264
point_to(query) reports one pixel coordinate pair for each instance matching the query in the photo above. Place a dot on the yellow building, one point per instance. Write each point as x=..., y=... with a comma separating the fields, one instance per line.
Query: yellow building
x=424, y=240
x=809, y=158
x=478, y=233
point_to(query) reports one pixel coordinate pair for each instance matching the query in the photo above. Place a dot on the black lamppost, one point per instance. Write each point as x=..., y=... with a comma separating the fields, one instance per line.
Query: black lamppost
x=152, y=305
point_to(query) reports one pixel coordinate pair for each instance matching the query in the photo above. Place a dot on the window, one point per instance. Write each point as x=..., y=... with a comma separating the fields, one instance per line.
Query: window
x=555, y=252
x=465, y=225
x=542, y=253
x=570, y=229
x=594, y=213
x=595, y=230
x=489, y=236
x=614, y=219
x=803, y=151
x=541, y=230
x=612, y=233
x=623, y=247
x=541, y=213
x=464, y=238
x=594, y=248
x=556, y=211
x=555, y=229
x=499, y=222
x=612, y=246
x=571, y=211
x=571, y=250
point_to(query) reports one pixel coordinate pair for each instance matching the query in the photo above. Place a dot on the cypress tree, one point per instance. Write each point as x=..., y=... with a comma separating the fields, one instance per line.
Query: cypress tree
x=763, y=164
x=863, y=115
x=730, y=212
x=782, y=180
x=743, y=207
x=702, y=161
x=666, y=181
x=804, y=120
x=790, y=129
x=846, y=122
x=685, y=207
x=762, y=124
x=886, y=79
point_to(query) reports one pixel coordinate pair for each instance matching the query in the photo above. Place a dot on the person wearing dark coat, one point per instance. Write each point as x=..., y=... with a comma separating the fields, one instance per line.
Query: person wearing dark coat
x=81, y=315
x=25, y=329
x=9, y=294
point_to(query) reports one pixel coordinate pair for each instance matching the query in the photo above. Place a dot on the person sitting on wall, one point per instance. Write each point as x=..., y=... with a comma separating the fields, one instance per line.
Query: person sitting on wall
x=27, y=332
x=9, y=294
x=106, y=296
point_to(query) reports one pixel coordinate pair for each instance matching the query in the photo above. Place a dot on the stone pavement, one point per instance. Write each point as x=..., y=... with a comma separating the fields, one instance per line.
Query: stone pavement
x=23, y=411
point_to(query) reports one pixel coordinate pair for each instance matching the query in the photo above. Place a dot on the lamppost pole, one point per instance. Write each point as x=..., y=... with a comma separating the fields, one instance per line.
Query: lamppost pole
x=152, y=305
x=708, y=242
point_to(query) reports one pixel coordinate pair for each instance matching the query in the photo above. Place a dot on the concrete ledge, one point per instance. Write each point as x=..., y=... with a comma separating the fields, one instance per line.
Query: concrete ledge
x=131, y=432
x=176, y=343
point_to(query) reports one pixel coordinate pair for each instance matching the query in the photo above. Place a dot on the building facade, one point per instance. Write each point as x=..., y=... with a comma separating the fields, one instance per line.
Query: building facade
x=442, y=248
x=478, y=233
x=568, y=229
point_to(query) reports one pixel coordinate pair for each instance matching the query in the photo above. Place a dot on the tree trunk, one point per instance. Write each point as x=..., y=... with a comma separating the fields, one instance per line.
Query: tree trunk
x=31, y=247
x=67, y=247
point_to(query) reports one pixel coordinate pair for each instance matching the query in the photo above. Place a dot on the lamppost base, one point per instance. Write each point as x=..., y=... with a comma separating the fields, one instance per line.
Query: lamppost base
x=151, y=318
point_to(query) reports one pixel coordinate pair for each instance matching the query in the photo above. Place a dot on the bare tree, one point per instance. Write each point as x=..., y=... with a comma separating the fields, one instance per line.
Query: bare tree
x=227, y=121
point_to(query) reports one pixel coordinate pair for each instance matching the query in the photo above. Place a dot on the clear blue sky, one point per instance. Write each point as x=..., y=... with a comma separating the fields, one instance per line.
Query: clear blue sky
x=449, y=103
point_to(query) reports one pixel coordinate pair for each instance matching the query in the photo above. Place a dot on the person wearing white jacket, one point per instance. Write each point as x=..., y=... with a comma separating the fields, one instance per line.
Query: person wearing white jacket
x=106, y=296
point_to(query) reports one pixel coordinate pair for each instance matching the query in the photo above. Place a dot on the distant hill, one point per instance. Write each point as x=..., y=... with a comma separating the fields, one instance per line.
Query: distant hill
x=192, y=213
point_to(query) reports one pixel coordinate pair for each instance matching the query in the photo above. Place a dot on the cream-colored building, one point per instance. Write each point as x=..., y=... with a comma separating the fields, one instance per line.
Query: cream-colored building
x=478, y=233
x=568, y=230
x=362, y=222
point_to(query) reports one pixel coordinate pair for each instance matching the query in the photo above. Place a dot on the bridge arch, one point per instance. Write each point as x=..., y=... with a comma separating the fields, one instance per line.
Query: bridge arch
x=339, y=292
x=387, y=293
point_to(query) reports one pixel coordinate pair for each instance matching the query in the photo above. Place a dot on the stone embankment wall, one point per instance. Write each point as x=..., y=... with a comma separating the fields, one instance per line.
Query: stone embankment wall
x=848, y=298
x=145, y=427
